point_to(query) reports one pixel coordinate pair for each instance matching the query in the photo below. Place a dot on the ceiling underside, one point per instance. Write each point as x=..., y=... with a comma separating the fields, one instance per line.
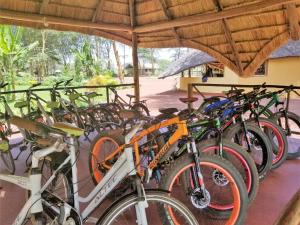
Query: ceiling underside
x=239, y=33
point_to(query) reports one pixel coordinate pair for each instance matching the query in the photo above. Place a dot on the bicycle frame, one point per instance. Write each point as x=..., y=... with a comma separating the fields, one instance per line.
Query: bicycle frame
x=123, y=167
x=179, y=133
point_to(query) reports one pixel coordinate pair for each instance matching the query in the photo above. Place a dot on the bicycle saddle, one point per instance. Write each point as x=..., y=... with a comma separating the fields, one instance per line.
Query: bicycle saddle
x=188, y=100
x=69, y=129
x=168, y=110
x=234, y=92
x=130, y=96
x=211, y=99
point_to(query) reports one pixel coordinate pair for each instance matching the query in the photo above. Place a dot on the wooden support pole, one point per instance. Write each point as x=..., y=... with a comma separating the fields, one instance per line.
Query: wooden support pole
x=190, y=95
x=135, y=63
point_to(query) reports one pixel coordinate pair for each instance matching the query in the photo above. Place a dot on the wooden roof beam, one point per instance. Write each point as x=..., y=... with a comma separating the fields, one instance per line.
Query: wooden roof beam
x=210, y=17
x=293, y=21
x=52, y=20
x=168, y=16
x=98, y=10
x=43, y=6
x=229, y=39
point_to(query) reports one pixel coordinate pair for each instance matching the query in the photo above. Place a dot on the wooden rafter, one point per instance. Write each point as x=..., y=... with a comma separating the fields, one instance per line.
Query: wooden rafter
x=52, y=20
x=168, y=16
x=43, y=6
x=261, y=56
x=210, y=17
x=214, y=53
x=98, y=10
x=293, y=21
x=229, y=38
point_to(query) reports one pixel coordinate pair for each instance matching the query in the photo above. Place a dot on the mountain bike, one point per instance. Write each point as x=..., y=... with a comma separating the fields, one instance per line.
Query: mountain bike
x=289, y=121
x=105, y=151
x=120, y=103
x=44, y=207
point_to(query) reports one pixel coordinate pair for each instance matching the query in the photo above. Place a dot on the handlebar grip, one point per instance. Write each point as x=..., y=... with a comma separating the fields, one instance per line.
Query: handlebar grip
x=3, y=85
x=68, y=82
x=35, y=85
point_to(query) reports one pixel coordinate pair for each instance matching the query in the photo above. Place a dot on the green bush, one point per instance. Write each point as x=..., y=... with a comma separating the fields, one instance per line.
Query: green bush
x=102, y=80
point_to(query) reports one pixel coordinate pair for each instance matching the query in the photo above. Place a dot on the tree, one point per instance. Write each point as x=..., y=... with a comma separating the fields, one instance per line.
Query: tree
x=119, y=65
x=148, y=55
x=13, y=54
x=84, y=61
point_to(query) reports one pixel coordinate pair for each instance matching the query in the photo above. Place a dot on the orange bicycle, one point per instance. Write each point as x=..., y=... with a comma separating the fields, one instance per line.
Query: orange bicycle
x=209, y=185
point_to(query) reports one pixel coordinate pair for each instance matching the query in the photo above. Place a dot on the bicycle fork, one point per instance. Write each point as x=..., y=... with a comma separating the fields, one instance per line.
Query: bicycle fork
x=200, y=197
x=142, y=204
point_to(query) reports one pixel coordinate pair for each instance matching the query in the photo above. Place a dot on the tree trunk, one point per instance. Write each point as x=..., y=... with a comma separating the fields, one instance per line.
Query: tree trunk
x=120, y=70
x=44, y=62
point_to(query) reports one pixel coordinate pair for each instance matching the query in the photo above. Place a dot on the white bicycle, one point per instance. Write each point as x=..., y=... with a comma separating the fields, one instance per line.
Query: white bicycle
x=45, y=207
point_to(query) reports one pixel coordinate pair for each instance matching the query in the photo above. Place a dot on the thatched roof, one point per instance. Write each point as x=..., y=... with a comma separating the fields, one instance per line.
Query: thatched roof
x=198, y=58
x=239, y=33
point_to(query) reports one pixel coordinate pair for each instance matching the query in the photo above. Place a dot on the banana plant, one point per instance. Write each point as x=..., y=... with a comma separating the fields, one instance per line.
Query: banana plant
x=13, y=55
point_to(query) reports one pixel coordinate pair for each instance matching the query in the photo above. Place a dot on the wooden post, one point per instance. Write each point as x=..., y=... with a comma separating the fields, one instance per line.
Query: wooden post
x=135, y=63
x=190, y=95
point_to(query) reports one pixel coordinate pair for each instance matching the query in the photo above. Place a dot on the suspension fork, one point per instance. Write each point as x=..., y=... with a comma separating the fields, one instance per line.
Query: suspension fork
x=244, y=126
x=142, y=204
x=196, y=173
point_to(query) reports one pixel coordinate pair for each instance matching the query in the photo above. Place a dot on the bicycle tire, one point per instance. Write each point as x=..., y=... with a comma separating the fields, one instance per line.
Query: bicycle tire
x=279, y=145
x=116, y=141
x=241, y=160
x=293, y=152
x=161, y=199
x=234, y=212
x=137, y=106
x=8, y=161
x=264, y=159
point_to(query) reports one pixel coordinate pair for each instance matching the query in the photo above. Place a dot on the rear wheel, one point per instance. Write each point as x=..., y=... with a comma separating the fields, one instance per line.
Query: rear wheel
x=141, y=109
x=225, y=199
x=291, y=127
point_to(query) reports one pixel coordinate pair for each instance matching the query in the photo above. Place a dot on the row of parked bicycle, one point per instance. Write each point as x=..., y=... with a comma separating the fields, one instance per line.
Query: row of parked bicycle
x=208, y=161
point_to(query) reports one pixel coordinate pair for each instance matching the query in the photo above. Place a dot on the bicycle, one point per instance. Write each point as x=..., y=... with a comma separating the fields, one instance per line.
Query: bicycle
x=43, y=206
x=119, y=104
x=289, y=121
x=105, y=151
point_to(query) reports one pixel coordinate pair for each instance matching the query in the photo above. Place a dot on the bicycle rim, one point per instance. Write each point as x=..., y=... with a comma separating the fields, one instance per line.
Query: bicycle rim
x=160, y=207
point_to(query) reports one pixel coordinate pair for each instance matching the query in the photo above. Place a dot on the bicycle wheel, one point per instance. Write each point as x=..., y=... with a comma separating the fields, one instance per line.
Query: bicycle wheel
x=277, y=138
x=241, y=160
x=291, y=126
x=162, y=210
x=7, y=158
x=260, y=146
x=225, y=198
x=103, y=145
x=141, y=109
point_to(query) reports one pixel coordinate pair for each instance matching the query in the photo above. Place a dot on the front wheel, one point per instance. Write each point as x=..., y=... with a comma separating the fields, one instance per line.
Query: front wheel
x=291, y=125
x=224, y=200
x=162, y=210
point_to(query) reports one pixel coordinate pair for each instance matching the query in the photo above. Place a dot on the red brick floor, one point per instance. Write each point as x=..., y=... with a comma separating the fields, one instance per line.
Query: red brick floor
x=274, y=192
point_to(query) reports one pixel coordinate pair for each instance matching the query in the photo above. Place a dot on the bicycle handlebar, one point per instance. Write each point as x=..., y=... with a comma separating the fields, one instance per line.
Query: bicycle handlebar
x=3, y=84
